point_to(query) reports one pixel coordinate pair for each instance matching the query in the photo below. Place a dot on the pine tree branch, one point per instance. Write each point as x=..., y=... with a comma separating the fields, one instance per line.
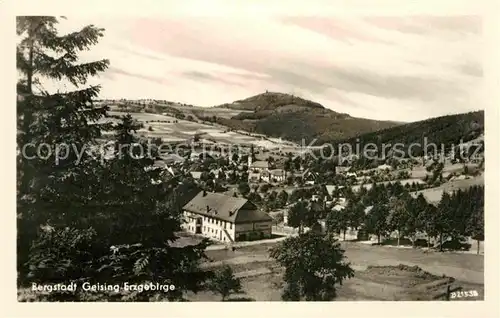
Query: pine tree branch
x=81, y=95
x=59, y=68
x=35, y=24
x=72, y=42
x=80, y=40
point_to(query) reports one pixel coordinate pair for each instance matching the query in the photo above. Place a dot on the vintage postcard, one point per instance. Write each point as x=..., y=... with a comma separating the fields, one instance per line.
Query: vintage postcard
x=273, y=157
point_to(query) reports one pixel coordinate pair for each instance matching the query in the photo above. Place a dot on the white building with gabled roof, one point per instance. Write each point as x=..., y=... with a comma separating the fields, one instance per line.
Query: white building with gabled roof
x=226, y=218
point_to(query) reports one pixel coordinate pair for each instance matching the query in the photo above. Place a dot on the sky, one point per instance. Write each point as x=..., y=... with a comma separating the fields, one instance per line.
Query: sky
x=401, y=68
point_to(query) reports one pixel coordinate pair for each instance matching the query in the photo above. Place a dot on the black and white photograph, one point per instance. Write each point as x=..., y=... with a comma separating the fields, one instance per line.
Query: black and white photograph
x=278, y=157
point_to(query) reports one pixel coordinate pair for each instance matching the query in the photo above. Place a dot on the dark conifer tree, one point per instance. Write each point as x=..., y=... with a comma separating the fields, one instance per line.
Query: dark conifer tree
x=376, y=221
x=94, y=215
x=475, y=224
x=66, y=121
x=442, y=222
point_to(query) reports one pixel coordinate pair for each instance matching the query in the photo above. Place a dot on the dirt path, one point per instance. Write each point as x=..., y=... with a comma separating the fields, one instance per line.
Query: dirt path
x=238, y=260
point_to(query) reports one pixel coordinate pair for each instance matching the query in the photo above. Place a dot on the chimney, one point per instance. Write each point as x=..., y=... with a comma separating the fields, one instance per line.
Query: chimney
x=205, y=194
x=208, y=209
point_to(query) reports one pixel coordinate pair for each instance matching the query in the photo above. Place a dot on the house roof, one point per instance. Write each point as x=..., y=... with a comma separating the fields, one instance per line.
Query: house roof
x=195, y=174
x=342, y=201
x=343, y=168
x=338, y=207
x=259, y=164
x=310, y=176
x=172, y=157
x=226, y=208
x=277, y=172
x=160, y=164
x=368, y=209
x=384, y=166
x=330, y=188
x=216, y=171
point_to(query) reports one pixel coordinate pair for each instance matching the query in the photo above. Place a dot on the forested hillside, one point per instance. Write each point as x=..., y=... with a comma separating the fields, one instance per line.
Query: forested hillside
x=296, y=119
x=447, y=130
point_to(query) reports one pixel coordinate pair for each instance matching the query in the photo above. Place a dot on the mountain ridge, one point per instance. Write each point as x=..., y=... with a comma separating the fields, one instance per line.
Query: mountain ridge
x=446, y=130
x=295, y=118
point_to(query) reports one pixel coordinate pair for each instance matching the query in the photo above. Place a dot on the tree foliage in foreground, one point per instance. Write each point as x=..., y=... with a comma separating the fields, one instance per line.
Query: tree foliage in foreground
x=225, y=283
x=314, y=266
x=376, y=221
x=52, y=119
x=101, y=218
x=338, y=221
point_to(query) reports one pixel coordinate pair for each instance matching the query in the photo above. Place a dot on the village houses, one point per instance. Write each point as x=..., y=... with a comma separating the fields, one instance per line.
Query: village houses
x=260, y=171
x=275, y=175
x=257, y=166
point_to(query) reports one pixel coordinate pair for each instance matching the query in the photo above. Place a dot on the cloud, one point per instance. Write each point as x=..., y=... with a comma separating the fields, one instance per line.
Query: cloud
x=471, y=69
x=393, y=68
x=422, y=88
x=333, y=28
x=113, y=73
x=430, y=24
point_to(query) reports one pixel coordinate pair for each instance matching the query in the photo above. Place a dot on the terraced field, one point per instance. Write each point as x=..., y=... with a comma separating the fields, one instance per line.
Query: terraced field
x=172, y=129
x=433, y=195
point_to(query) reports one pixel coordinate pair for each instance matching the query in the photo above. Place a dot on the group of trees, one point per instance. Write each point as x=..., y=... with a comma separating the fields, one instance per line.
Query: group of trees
x=314, y=262
x=461, y=214
x=458, y=215
x=263, y=197
x=213, y=183
x=352, y=216
x=307, y=193
x=385, y=209
x=269, y=201
x=305, y=214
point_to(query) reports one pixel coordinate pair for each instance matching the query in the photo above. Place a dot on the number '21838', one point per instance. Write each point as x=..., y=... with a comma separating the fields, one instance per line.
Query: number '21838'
x=464, y=294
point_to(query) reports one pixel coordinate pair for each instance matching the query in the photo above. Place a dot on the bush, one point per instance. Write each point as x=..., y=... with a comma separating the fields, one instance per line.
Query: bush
x=457, y=244
x=264, y=188
x=253, y=236
x=225, y=283
x=63, y=254
x=279, y=217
